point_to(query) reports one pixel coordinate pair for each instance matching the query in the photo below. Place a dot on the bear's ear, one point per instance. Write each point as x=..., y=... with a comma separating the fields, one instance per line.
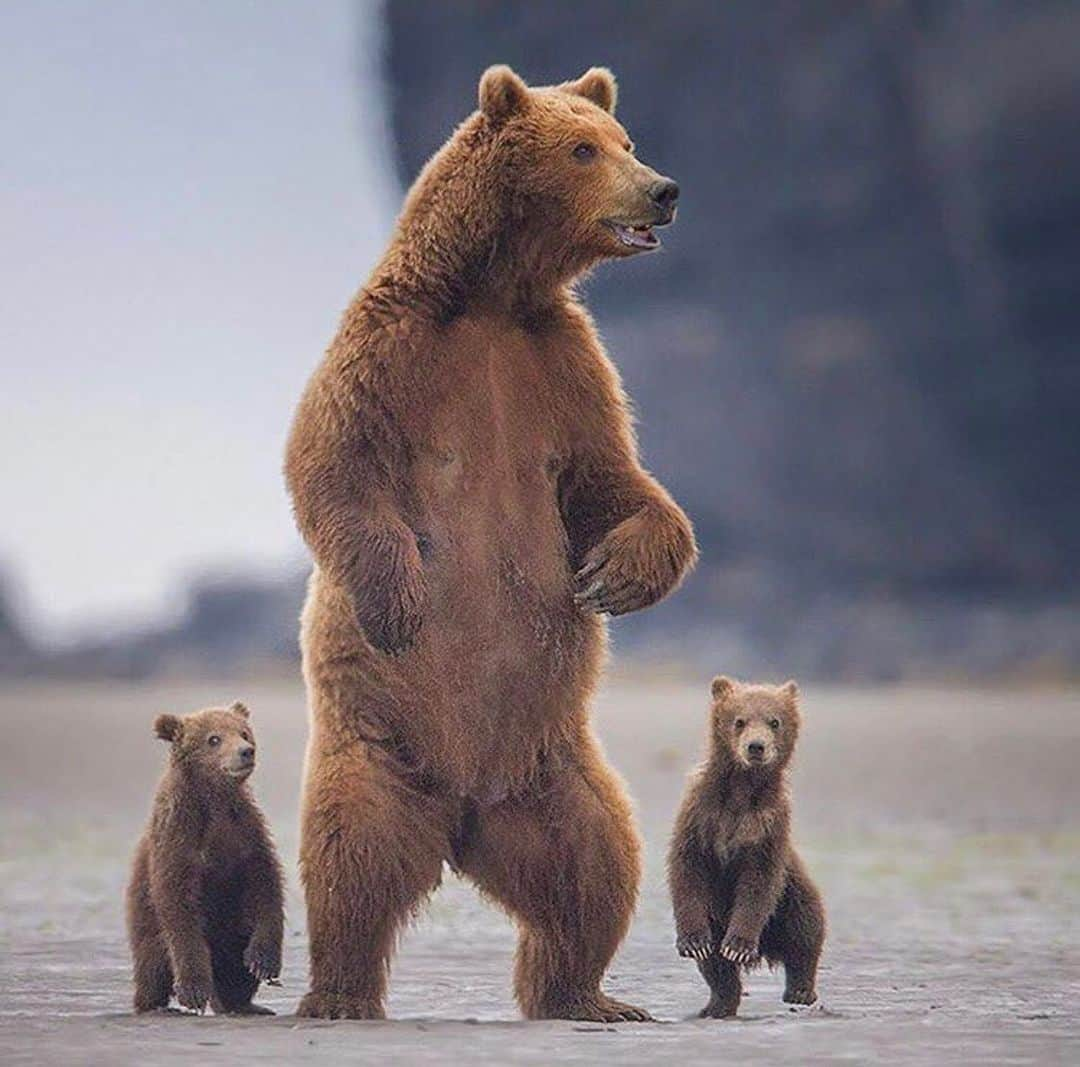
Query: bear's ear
x=722, y=686
x=502, y=93
x=168, y=727
x=790, y=689
x=240, y=708
x=598, y=85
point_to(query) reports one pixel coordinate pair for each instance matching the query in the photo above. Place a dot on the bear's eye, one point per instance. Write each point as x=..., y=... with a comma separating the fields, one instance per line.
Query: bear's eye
x=213, y=740
x=584, y=152
x=246, y=736
x=774, y=724
x=629, y=146
x=740, y=723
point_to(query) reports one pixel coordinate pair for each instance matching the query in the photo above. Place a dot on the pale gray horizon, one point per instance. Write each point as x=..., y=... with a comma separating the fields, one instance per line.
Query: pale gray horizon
x=191, y=195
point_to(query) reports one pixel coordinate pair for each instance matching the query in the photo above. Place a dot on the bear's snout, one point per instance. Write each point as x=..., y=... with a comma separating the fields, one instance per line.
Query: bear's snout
x=246, y=754
x=664, y=193
x=756, y=750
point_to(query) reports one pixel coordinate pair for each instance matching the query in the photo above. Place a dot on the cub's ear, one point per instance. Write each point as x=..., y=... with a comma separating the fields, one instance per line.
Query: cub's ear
x=790, y=689
x=722, y=686
x=240, y=708
x=598, y=85
x=168, y=727
x=502, y=93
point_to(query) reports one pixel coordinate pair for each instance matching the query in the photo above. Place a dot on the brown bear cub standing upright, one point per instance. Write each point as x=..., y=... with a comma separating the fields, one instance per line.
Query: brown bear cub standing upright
x=204, y=904
x=739, y=889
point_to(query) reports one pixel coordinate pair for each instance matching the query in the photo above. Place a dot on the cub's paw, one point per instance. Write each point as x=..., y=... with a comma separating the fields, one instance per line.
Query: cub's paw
x=739, y=950
x=339, y=1006
x=695, y=946
x=803, y=995
x=194, y=992
x=720, y=1008
x=263, y=958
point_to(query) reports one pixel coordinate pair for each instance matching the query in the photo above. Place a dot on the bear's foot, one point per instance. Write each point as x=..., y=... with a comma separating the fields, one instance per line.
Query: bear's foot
x=719, y=1009
x=801, y=995
x=598, y=1008
x=339, y=1006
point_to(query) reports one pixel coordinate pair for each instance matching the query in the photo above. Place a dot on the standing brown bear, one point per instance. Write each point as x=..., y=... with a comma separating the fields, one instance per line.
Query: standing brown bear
x=739, y=889
x=204, y=904
x=463, y=467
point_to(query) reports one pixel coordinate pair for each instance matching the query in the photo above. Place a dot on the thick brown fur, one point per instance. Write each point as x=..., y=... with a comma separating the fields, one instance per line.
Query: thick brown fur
x=739, y=889
x=463, y=468
x=204, y=902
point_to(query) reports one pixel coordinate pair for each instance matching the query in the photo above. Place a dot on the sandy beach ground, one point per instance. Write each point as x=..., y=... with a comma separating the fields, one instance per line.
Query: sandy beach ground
x=942, y=824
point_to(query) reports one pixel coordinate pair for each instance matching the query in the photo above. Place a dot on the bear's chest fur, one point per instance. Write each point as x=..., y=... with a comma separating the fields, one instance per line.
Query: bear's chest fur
x=737, y=828
x=489, y=447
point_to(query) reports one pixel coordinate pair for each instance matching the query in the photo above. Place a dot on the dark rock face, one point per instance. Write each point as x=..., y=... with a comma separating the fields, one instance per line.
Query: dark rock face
x=858, y=362
x=858, y=359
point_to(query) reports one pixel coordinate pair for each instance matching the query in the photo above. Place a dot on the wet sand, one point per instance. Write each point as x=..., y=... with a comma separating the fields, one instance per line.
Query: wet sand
x=942, y=824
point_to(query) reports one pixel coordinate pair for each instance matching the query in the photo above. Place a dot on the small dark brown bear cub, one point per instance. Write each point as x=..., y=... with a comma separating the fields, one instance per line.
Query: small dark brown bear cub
x=204, y=904
x=739, y=889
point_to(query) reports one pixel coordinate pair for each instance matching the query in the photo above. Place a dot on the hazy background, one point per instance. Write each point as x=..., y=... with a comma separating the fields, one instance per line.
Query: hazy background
x=855, y=363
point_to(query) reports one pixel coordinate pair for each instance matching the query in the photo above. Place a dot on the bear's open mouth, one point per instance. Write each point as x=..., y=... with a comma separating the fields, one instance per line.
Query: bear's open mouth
x=636, y=235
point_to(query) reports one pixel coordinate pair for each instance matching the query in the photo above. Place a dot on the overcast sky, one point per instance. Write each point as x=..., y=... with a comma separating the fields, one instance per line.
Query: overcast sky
x=191, y=193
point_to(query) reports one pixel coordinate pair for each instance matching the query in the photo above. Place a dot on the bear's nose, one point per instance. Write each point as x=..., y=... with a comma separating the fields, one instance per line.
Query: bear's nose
x=756, y=749
x=247, y=754
x=664, y=193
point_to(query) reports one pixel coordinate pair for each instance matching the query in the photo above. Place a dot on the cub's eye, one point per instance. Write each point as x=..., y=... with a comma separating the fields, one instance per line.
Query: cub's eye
x=213, y=740
x=246, y=736
x=584, y=152
x=774, y=724
x=740, y=723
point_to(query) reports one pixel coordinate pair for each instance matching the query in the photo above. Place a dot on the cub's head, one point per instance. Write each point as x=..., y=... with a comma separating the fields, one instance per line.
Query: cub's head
x=570, y=167
x=756, y=726
x=216, y=744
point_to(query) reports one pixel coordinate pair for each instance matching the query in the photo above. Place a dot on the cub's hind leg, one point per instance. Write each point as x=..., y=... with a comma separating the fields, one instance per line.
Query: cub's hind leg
x=153, y=976
x=725, y=987
x=795, y=933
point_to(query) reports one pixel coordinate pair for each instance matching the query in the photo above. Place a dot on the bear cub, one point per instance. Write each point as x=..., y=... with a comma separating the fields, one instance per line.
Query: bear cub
x=739, y=890
x=204, y=903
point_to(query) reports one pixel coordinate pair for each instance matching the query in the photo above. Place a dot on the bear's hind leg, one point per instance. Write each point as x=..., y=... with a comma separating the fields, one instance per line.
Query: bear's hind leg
x=234, y=984
x=153, y=976
x=795, y=934
x=725, y=987
x=372, y=848
x=564, y=860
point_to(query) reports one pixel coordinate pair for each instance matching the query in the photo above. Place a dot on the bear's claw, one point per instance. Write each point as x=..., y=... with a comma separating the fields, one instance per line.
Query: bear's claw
x=263, y=960
x=739, y=950
x=800, y=996
x=695, y=946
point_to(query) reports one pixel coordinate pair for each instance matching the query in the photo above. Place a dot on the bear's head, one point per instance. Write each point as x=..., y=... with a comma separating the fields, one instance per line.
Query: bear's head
x=570, y=187
x=755, y=727
x=216, y=745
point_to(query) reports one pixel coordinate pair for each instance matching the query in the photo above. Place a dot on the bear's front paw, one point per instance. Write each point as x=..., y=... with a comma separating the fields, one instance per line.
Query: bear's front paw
x=194, y=991
x=800, y=995
x=262, y=958
x=695, y=946
x=740, y=950
x=636, y=564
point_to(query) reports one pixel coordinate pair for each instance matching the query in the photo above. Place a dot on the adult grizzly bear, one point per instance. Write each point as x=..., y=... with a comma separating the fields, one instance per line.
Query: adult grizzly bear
x=463, y=467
